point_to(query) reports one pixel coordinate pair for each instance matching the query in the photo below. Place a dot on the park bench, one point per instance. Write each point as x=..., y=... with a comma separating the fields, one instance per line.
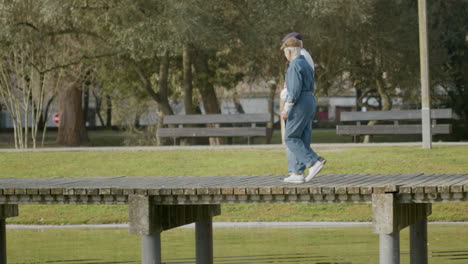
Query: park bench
x=215, y=125
x=396, y=122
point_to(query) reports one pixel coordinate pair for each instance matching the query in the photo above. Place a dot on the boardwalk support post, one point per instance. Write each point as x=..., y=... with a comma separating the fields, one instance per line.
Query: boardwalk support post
x=148, y=220
x=151, y=248
x=142, y=222
x=204, y=241
x=389, y=217
x=385, y=221
x=418, y=238
x=389, y=246
x=5, y=212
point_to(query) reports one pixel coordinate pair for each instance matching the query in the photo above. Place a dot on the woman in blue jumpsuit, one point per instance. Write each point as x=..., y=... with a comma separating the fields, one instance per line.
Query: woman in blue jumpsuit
x=299, y=110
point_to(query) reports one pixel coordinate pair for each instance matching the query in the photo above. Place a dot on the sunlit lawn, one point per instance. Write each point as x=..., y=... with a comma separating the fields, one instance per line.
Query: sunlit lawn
x=441, y=159
x=446, y=244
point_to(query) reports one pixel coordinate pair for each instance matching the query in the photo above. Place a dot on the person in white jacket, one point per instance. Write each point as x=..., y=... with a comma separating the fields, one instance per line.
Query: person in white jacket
x=293, y=162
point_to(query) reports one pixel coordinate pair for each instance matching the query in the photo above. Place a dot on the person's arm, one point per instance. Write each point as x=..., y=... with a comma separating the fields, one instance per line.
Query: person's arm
x=293, y=85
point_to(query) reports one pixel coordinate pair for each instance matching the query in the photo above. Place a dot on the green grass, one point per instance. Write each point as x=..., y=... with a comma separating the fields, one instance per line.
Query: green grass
x=265, y=245
x=100, y=138
x=330, y=136
x=441, y=159
x=97, y=138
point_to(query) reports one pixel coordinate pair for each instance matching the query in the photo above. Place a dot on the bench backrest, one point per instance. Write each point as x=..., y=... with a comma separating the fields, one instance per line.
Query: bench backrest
x=216, y=119
x=395, y=115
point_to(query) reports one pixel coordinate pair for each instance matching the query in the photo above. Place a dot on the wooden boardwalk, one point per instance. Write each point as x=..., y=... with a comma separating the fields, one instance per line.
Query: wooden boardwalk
x=156, y=204
x=340, y=188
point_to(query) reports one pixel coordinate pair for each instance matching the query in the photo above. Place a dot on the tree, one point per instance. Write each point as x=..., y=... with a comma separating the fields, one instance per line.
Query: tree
x=448, y=31
x=63, y=33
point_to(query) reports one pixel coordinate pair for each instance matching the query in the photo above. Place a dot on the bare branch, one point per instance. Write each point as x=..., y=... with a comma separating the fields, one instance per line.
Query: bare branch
x=85, y=57
x=74, y=31
x=27, y=24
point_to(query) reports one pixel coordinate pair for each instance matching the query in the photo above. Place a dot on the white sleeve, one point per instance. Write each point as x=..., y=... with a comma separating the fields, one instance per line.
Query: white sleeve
x=284, y=94
x=308, y=58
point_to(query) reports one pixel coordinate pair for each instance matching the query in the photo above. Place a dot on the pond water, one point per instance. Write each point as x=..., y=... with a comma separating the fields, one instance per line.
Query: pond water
x=447, y=244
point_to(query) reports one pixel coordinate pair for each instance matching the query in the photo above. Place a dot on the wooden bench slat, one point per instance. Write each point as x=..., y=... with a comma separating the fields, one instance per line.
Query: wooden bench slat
x=395, y=115
x=213, y=132
x=390, y=129
x=216, y=119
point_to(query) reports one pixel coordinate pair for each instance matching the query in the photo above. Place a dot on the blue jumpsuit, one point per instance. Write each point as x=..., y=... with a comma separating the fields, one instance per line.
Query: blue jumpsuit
x=298, y=133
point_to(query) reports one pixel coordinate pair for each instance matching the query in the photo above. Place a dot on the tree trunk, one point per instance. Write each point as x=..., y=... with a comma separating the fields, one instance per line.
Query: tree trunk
x=187, y=85
x=108, y=111
x=237, y=104
x=163, y=85
x=386, y=104
x=161, y=97
x=187, y=82
x=72, y=129
x=271, y=103
x=98, y=106
x=86, y=105
x=206, y=88
x=45, y=115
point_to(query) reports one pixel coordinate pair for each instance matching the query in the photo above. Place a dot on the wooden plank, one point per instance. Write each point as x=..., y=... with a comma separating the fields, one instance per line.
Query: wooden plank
x=391, y=129
x=430, y=186
x=454, y=180
x=348, y=180
x=407, y=184
x=225, y=190
x=264, y=190
x=213, y=132
x=420, y=185
x=395, y=115
x=217, y=119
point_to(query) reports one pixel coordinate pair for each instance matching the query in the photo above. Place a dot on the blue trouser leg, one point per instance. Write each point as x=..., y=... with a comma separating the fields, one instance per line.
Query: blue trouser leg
x=292, y=161
x=307, y=139
x=298, y=133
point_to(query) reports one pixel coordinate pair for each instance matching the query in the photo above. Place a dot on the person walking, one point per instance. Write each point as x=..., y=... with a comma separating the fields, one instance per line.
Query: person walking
x=284, y=92
x=298, y=112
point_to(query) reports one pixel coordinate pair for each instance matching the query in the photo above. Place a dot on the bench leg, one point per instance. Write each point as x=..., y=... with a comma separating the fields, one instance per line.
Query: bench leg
x=418, y=242
x=151, y=249
x=204, y=241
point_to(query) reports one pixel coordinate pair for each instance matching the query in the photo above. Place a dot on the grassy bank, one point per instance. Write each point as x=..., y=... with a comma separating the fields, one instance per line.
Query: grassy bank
x=447, y=244
x=106, y=137
x=442, y=159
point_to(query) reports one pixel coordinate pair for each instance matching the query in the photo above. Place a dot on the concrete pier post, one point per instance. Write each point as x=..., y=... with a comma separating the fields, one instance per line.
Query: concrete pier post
x=418, y=242
x=390, y=248
x=204, y=241
x=148, y=220
x=151, y=249
x=10, y=210
x=3, y=253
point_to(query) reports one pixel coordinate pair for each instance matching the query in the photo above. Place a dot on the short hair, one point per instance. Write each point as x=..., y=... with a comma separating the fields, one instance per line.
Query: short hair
x=296, y=51
x=292, y=43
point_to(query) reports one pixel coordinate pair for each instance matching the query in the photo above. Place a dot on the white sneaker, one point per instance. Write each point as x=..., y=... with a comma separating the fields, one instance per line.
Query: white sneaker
x=294, y=178
x=315, y=169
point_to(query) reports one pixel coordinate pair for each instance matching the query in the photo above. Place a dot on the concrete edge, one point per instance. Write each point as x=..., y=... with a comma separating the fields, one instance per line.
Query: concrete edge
x=227, y=225
x=224, y=147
